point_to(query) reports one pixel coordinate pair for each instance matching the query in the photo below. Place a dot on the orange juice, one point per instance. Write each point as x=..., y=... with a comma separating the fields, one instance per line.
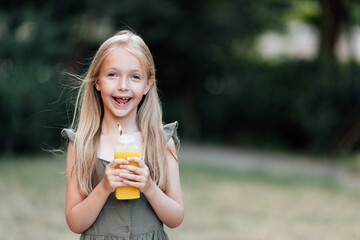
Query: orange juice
x=123, y=193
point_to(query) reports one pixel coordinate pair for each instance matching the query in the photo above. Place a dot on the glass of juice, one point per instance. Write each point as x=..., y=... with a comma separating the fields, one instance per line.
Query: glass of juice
x=126, y=193
x=125, y=148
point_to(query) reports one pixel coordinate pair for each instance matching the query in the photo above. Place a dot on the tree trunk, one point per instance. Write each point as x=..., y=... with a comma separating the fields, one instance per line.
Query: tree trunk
x=332, y=17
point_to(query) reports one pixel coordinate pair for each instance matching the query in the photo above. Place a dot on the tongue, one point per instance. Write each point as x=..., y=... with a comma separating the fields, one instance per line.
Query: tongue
x=123, y=101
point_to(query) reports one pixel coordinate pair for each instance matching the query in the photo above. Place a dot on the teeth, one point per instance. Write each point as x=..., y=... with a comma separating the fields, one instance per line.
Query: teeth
x=122, y=100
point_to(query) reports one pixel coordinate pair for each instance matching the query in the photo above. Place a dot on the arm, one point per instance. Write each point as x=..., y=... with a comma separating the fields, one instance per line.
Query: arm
x=168, y=206
x=81, y=212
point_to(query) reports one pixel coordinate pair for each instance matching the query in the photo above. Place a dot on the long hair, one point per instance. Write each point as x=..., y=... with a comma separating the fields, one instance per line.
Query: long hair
x=89, y=112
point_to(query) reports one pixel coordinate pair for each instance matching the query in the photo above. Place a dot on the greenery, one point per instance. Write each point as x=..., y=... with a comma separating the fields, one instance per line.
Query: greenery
x=211, y=78
x=220, y=203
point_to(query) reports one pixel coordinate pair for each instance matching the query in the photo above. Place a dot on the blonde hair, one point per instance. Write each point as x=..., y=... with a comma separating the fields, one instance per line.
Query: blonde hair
x=89, y=112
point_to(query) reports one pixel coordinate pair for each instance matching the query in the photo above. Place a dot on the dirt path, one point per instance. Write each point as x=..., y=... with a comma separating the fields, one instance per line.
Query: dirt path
x=275, y=163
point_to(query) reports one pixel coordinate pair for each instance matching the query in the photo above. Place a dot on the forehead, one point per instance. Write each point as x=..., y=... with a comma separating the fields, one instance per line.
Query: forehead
x=122, y=58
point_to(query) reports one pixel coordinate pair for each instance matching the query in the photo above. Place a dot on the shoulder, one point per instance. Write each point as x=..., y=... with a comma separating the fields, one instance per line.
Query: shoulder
x=171, y=145
x=68, y=134
x=170, y=131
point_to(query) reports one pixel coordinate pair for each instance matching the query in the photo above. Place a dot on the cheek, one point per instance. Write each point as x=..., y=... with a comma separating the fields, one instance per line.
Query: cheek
x=107, y=86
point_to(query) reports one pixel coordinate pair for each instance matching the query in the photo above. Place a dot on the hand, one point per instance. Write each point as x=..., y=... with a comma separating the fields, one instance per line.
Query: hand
x=112, y=177
x=138, y=177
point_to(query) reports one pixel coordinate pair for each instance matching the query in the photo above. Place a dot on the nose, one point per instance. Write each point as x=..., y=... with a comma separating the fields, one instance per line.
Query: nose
x=123, y=84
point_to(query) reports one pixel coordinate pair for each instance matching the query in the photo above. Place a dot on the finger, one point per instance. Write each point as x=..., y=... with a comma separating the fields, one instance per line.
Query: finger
x=119, y=184
x=121, y=161
x=115, y=179
x=132, y=177
x=131, y=168
x=118, y=171
x=132, y=184
x=116, y=162
x=113, y=172
x=124, y=171
x=113, y=163
x=139, y=161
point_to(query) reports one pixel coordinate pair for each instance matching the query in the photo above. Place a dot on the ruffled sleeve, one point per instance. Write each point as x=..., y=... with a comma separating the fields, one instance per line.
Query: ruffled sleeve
x=69, y=134
x=170, y=131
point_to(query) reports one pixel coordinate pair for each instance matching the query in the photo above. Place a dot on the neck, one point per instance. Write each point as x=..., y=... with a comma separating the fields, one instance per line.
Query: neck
x=128, y=124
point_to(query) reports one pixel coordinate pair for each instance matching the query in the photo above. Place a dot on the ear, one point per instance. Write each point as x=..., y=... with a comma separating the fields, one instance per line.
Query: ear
x=97, y=86
x=150, y=82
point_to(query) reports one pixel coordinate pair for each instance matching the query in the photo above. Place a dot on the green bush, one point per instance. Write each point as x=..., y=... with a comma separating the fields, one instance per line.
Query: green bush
x=295, y=104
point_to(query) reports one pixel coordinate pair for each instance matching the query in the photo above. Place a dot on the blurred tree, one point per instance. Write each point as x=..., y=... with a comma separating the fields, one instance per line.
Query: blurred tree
x=333, y=15
x=337, y=16
x=35, y=41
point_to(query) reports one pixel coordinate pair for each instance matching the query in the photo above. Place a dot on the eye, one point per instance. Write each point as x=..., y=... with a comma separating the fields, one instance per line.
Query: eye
x=112, y=75
x=136, y=77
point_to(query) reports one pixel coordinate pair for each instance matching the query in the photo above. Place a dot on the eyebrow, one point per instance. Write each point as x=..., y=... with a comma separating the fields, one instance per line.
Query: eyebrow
x=117, y=69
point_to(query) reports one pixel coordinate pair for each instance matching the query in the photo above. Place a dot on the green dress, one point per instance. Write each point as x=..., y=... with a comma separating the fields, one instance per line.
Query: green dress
x=126, y=219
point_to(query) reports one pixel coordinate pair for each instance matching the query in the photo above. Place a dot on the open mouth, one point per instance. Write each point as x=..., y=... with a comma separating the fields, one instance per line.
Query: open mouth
x=122, y=100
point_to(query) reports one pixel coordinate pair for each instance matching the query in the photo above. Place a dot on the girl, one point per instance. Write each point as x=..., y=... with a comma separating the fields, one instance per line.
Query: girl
x=120, y=87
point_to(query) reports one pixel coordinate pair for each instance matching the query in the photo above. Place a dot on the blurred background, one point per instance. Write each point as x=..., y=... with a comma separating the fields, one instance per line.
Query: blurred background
x=250, y=78
x=277, y=73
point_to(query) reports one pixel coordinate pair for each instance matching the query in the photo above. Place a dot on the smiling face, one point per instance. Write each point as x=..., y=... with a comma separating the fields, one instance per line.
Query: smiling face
x=122, y=84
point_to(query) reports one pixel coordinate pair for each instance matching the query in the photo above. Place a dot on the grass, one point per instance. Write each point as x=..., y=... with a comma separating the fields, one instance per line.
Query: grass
x=220, y=204
x=225, y=204
x=33, y=198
